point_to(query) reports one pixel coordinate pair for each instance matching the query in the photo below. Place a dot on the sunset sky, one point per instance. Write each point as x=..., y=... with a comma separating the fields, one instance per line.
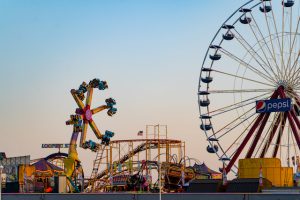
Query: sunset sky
x=150, y=52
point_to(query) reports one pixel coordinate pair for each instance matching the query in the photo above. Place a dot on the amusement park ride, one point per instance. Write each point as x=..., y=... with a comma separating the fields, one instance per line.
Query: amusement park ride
x=122, y=165
x=134, y=164
x=249, y=106
x=249, y=85
x=80, y=121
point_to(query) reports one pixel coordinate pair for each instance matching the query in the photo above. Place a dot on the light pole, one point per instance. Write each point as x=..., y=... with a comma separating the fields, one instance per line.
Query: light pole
x=159, y=165
x=1, y=169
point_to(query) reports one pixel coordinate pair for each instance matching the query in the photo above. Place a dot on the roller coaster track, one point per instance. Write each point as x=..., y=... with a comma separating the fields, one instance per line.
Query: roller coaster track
x=139, y=148
x=146, y=144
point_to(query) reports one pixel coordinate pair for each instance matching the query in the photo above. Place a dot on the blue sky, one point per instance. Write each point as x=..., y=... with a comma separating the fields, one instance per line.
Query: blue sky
x=150, y=52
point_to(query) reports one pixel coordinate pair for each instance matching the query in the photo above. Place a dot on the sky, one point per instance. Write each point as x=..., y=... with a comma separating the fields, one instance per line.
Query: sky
x=149, y=52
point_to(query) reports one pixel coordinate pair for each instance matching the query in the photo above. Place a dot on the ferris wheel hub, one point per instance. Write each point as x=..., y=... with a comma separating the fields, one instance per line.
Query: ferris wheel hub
x=283, y=83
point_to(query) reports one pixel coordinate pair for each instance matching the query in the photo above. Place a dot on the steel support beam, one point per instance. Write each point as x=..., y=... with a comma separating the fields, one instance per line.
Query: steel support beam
x=272, y=134
x=281, y=129
x=257, y=136
x=248, y=136
x=292, y=119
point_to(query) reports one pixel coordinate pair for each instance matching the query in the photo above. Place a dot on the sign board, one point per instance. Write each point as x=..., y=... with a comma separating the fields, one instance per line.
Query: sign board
x=273, y=105
x=59, y=146
x=11, y=166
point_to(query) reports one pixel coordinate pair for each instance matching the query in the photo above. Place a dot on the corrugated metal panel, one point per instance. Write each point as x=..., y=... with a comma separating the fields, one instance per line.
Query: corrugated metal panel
x=271, y=170
x=287, y=176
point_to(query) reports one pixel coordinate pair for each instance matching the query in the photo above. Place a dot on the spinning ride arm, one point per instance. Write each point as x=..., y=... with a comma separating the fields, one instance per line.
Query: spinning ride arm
x=86, y=112
x=80, y=122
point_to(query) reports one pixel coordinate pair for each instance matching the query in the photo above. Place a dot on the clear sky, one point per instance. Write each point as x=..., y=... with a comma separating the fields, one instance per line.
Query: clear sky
x=150, y=53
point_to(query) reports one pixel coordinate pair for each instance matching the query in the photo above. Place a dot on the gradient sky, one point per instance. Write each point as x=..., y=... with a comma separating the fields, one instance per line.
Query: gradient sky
x=149, y=51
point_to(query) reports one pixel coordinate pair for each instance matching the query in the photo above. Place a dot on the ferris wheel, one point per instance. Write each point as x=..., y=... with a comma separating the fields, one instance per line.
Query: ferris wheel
x=249, y=84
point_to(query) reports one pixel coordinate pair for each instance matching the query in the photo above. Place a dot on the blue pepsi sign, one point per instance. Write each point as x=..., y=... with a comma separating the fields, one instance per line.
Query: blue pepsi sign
x=273, y=105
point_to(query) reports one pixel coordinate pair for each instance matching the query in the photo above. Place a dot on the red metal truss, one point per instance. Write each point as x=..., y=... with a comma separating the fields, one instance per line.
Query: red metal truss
x=257, y=136
x=295, y=118
x=297, y=98
x=293, y=112
x=292, y=119
x=248, y=136
x=272, y=134
x=281, y=129
x=294, y=129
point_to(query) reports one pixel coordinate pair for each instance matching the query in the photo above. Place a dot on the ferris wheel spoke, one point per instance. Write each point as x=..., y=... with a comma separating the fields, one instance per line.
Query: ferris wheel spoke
x=232, y=122
x=240, y=91
x=254, y=53
x=238, y=151
x=295, y=76
x=248, y=79
x=230, y=109
x=295, y=66
x=287, y=71
x=239, y=137
x=238, y=104
x=248, y=66
x=276, y=30
x=292, y=94
x=262, y=39
x=237, y=125
x=292, y=43
x=282, y=44
x=271, y=41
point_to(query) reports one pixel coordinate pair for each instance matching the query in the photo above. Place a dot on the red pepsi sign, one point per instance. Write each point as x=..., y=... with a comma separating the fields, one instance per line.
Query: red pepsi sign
x=273, y=105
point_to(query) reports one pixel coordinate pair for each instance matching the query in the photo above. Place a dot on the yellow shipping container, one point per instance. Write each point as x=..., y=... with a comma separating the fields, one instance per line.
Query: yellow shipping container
x=271, y=170
x=287, y=176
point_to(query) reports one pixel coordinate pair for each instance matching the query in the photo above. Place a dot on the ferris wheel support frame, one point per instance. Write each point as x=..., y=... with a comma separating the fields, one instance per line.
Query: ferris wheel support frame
x=260, y=124
x=272, y=134
x=279, y=136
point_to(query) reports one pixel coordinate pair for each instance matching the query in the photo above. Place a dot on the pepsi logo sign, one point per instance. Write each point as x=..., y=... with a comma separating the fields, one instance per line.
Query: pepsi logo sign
x=260, y=106
x=273, y=105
